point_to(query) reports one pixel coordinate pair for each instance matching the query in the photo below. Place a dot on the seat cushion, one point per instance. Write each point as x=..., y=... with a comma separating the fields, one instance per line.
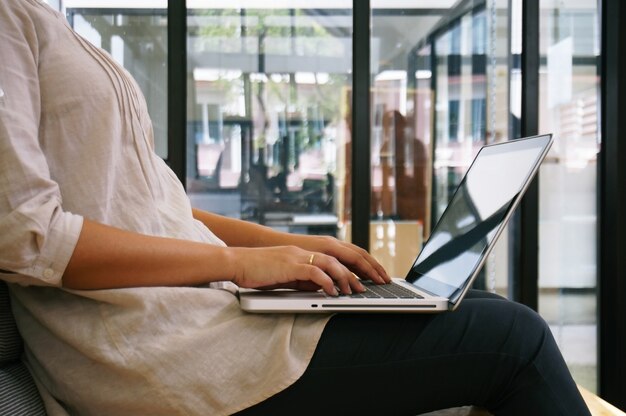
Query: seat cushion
x=10, y=340
x=18, y=393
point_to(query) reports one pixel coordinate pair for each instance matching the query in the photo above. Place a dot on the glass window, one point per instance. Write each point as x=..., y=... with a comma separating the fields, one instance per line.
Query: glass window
x=55, y=4
x=569, y=89
x=136, y=37
x=439, y=92
x=267, y=111
x=401, y=103
x=460, y=100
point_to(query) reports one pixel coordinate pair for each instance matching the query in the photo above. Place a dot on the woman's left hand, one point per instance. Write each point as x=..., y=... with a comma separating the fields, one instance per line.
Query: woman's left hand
x=356, y=259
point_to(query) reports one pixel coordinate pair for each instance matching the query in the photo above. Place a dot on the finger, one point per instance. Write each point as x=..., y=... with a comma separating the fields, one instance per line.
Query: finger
x=361, y=288
x=307, y=286
x=344, y=279
x=360, y=262
x=315, y=275
x=380, y=271
x=339, y=273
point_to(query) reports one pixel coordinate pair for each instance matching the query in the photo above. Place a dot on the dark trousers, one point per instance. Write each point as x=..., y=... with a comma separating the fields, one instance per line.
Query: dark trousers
x=490, y=352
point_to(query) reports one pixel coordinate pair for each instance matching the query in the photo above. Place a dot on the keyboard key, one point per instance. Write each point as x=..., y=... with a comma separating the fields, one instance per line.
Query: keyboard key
x=388, y=291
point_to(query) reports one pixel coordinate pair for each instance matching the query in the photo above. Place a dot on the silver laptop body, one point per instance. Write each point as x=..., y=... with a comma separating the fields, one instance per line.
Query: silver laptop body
x=456, y=249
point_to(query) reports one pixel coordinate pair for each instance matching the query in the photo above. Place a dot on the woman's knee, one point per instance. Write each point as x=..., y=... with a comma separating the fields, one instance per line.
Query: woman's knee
x=482, y=294
x=504, y=327
x=528, y=331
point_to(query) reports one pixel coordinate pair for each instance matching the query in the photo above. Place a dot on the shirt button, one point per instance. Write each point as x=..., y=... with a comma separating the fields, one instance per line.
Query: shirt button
x=48, y=273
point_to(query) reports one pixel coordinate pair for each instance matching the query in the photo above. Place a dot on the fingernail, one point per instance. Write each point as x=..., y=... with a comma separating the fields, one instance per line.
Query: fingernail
x=335, y=293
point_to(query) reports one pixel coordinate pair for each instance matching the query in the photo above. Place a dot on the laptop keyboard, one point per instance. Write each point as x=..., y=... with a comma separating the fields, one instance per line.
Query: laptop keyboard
x=387, y=291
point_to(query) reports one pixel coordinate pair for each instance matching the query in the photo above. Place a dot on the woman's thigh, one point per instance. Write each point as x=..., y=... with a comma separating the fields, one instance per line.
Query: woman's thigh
x=490, y=352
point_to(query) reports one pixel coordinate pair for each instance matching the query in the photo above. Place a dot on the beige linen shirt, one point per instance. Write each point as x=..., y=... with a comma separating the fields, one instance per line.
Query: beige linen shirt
x=76, y=142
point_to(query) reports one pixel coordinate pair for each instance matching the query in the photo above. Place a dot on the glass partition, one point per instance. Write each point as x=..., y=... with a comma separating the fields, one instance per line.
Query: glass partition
x=439, y=92
x=136, y=36
x=401, y=130
x=569, y=90
x=268, y=92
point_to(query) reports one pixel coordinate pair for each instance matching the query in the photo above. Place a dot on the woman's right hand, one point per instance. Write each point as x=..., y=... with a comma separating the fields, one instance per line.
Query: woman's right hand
x=293, y=268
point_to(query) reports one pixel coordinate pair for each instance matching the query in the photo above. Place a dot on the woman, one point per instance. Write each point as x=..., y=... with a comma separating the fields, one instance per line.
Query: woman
x=124, y=293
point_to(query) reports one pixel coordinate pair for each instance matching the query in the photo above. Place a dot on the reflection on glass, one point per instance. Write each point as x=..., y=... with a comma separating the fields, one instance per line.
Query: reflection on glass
x=569, y=88
x=439, y=92
x=137, y=39
x=461, y=94
x=267, y=94
x=474, y=215
x=401, y=102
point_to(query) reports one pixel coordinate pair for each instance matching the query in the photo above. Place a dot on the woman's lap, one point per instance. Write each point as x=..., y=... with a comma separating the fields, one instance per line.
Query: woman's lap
x=490, y=352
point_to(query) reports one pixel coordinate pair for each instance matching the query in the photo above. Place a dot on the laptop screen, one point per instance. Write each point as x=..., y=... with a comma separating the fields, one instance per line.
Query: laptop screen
x=462, y=237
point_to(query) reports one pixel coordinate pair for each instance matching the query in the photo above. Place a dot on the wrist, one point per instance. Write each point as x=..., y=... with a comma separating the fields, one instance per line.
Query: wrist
x=228, y=263
x=317, y=243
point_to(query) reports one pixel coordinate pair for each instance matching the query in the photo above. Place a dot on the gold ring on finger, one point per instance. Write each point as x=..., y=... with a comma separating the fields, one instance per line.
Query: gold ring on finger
x=311, y=259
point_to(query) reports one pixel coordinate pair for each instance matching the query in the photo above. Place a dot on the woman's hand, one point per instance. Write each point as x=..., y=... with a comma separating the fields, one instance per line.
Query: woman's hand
x=294, y=268
x=353, y=257
x=260, y=252
x=337, y=260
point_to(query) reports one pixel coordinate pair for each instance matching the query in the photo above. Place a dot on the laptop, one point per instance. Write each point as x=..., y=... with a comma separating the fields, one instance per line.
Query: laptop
x=454, y=253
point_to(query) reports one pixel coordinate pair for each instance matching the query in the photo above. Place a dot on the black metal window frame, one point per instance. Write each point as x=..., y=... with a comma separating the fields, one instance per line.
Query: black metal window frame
x=361, y=110
x=524, y=240
x=612, y=206
x=177, y=88
x=524, y=235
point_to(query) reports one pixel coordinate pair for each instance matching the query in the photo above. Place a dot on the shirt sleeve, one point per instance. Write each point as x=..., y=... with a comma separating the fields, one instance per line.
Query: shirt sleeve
x=37, y=237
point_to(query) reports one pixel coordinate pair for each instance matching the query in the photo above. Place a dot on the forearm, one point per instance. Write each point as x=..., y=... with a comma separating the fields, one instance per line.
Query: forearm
x=238, y=233
x=107, y=257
